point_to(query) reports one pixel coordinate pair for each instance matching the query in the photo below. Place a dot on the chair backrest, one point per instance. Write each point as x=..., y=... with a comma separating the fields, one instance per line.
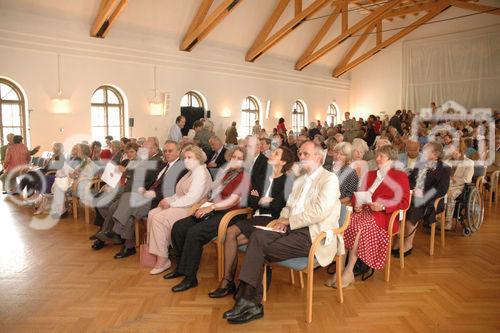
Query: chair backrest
x=343, y=212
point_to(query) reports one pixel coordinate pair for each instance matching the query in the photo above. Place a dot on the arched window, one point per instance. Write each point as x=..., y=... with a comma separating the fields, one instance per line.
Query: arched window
x=12, y=110
x=332, y=116
x=192, y=99
x=249, y=114
x=107, y=114
x=193, y=107
x=298, y=116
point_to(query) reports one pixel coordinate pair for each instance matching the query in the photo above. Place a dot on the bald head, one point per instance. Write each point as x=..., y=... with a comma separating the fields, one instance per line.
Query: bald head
x=412, y=148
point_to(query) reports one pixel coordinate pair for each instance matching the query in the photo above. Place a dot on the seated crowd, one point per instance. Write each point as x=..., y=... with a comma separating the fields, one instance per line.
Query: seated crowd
x=297, y=180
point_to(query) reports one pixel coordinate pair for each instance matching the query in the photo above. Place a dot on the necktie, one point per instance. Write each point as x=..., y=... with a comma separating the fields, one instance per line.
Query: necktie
x=159, y=179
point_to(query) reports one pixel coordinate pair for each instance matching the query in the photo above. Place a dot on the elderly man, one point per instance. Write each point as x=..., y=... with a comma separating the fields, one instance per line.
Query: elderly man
x=216, y=159
x=312, y=207
x=175, y=133
x=148, y=170
x=409, y=158
x=137, y=204
x=202, y=136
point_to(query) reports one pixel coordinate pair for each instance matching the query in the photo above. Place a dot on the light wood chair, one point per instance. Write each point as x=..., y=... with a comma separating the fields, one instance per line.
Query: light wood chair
x=75, y=200
x=221, y=236
x=493, y=188
x=401, y=233
x=441, y=218
x=307, y=264
x=138, y=223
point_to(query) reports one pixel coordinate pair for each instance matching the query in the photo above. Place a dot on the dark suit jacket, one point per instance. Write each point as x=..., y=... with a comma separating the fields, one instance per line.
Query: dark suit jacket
x=438, y=181
x=220, y=159
x=279, y=194
x=258, y=173
x=169, y=181
x=147, y=171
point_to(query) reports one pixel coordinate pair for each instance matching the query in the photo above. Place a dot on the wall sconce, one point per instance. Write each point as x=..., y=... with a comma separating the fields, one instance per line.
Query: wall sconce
x=277, y=115
x=156, y=109
x=226, y=113
x=268, y=108
x=60, y=105
x=158, y=105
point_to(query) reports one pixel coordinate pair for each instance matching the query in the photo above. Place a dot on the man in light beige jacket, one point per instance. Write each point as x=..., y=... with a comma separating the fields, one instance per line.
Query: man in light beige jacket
x=312, y=207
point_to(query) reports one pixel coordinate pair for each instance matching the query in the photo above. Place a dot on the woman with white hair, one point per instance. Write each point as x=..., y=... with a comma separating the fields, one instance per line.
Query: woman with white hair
x=191, y=189
x=359, y=149
x=348, y=179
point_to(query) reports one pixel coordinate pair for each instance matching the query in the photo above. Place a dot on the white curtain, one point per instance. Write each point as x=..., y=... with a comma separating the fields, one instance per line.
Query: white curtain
x=465, y=69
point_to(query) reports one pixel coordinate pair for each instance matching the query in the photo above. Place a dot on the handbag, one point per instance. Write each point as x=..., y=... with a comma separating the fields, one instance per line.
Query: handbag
x=146, y=259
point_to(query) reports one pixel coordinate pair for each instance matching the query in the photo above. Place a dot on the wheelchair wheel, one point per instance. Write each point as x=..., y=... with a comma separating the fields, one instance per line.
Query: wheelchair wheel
x=466, y=231
x=475, y=211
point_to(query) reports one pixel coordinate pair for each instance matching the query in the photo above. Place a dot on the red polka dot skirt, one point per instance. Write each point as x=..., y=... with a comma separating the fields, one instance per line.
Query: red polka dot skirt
x=373, y=240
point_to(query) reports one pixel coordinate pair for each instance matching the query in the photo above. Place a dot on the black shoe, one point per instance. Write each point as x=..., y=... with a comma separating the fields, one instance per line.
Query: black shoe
x=222, y=292
x=269, y=276
x=186, y=284
x=172, y=275
x=98, y=244
x=114, y=237
x=125, y=252
x=240, y=306
x=407, y=253
x=395, y=252
x=93, y=237
x=255, y=312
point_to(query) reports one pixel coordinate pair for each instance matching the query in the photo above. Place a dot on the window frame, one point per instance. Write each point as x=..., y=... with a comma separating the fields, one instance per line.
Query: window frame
x=106, y=105
x=193, y=94
x=333, y=115
x=22, y=110
x=298, y=111
x=245, y=114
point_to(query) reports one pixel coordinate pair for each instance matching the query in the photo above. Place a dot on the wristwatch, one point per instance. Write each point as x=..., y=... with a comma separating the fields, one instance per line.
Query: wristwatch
x=383, y=207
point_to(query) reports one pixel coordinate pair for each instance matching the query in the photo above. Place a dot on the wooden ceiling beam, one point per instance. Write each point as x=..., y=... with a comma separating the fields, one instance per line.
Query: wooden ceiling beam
x=355, y=47
x=476, y=7
x=259, y=48
x=112, y=19
x=106, y=16
x=203, y=24
x=370, y=19
x=440, y=7
x=269, y=25
x=298, y=7
x=323, y=31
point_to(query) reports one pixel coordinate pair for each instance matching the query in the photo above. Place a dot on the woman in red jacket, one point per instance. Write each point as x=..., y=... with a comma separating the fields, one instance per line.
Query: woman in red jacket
x=367, y=237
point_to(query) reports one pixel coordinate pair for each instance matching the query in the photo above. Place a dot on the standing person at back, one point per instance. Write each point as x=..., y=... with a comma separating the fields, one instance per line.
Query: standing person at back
x=281, y=128
x=256, y=128
x=175, y=133
x=16, y=155
x=232, y=134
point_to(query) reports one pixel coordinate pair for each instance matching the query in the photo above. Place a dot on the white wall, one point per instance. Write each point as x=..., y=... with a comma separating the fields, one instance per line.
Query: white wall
x=376, y=84
x=29, y=56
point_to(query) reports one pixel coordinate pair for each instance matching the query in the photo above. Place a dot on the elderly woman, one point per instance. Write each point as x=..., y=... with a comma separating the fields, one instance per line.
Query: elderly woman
x=40, y=182
x=191, y=189
x=462, y=173
x=359, y=149
x=330, y=153
x=267, y=207
x=189, y=235
x=348, y=179
x=367, y=236
x=429, y=180
x=82, y=173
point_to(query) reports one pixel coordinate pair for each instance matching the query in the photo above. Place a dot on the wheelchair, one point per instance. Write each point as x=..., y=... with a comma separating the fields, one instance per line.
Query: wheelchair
x=469, y=209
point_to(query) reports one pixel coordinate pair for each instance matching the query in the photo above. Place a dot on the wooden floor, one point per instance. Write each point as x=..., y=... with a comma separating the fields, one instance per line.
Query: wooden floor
x=51, y=281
